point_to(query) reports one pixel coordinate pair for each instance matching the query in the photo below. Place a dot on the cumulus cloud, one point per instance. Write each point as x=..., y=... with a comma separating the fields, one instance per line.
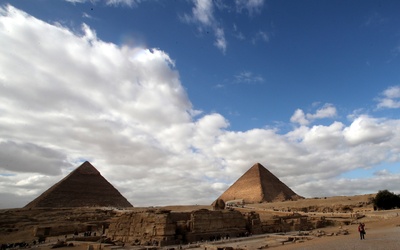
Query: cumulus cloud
x=365, y=129
x=86, y=98
x=69, y=96
x=299, y=117
x=390, y=98
x=327, y=111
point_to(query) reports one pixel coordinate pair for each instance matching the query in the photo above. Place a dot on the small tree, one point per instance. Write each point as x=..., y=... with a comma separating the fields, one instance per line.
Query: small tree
x=386, y=200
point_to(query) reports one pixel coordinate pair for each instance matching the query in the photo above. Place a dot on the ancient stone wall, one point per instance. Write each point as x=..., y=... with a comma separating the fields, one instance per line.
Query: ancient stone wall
x=162, y=227
x=206, y=220
x=288, y=223
x=210, y=225
x=66, y=229
x=254, y=225
x=165, y=227
x=143, y=228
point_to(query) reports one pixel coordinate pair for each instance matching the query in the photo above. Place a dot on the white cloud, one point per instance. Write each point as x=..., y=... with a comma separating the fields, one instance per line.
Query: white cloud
x=339, y=187
x=248, y=77
x=260, y=36
x=203, y=15
x=264, y=36
x=221, y=41
x=375, y=20
x=86, y=15
x=299, y=117
x=327, y=137
x=390, y=98
x=68, y=97
x=238, y=34
x=39, y=159
x=383, y=172
x=365, y=129
x=76, y=1
x=252, y=6
x=327, y=111
x=392, y=92
x=203, y=12
x=84, y=98
x=130, y=3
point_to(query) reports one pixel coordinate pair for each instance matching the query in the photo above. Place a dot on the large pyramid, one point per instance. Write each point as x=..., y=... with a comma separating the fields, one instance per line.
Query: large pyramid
x=83, y=187
x=259, y=185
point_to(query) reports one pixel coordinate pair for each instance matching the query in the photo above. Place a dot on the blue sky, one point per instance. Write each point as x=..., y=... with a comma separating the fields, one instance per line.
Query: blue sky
x=201, y=90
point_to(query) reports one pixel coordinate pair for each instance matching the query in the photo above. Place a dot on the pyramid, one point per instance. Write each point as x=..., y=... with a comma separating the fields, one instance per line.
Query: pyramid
x=83, y=187
x=259, y=185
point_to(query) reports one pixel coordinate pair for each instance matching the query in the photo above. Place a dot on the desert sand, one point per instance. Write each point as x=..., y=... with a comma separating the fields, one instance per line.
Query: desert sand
x=381, y=234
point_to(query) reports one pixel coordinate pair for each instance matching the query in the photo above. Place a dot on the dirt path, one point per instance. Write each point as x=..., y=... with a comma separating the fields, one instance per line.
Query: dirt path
x=381, y=235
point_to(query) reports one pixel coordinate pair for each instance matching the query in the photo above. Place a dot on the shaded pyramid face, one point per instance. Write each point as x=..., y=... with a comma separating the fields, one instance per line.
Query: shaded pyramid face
x=83, y=187
x=259, y=185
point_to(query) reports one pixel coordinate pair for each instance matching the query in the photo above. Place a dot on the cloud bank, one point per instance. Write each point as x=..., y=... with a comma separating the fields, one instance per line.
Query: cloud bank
x=68, y=96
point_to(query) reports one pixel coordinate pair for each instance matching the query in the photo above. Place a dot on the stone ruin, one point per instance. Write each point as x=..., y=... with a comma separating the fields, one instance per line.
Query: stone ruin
x=218, y=204
x=42, y=223
x=164, y=227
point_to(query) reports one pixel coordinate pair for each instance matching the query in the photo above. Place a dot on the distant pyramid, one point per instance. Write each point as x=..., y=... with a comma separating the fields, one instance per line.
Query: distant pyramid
x=83, y=187
x=259, y=185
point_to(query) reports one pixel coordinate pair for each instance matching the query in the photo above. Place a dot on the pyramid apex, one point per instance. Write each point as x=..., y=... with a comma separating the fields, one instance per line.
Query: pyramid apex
x=87, y=168
x=257, y=165
x=86, y=163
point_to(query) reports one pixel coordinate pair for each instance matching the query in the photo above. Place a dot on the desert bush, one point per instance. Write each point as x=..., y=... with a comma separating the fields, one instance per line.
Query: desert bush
x=386, y=200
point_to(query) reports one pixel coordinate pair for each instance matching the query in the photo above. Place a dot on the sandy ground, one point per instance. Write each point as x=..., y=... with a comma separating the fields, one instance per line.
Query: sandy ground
x=383, y=234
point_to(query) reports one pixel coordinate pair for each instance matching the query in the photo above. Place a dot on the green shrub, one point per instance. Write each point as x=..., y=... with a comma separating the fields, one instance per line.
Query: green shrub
x=386, y=200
